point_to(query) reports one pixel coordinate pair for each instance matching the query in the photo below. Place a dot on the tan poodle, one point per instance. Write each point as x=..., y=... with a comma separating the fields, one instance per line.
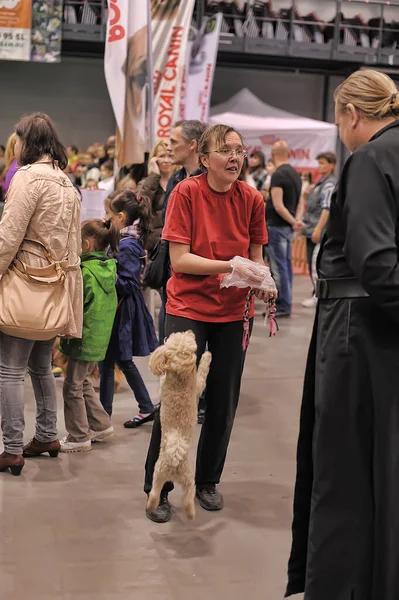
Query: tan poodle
x=181, y=386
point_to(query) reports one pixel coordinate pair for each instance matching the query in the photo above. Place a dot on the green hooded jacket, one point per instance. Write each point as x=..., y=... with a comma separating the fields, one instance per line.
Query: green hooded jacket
x=99, y=308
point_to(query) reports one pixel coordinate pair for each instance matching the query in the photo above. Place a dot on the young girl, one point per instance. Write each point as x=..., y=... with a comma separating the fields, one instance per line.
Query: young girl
x=133, y=333
x=85, y=418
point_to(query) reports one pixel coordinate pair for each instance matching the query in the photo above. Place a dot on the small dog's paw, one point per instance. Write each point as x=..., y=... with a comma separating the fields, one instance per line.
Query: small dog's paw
x=152, y=501
x=206, y=360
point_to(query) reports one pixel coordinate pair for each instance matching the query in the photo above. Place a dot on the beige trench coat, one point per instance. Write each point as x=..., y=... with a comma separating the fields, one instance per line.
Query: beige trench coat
x=43, y=205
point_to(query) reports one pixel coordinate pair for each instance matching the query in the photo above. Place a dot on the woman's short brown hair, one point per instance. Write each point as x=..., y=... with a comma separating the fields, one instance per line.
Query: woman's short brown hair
x=39, y=139
x=373, y=94
x=330, y=157
x=216, y=133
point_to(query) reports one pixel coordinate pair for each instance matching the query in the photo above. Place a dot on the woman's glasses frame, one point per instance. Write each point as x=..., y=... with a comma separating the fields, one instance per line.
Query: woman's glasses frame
x=229, y=152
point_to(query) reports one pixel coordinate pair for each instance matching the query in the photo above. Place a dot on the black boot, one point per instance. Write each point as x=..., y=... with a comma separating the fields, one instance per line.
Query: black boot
x=163, y=512
x=209, y=497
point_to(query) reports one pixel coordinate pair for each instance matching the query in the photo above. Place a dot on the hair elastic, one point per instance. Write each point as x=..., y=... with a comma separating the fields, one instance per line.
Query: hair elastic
x=393, y=97
x=107, y=224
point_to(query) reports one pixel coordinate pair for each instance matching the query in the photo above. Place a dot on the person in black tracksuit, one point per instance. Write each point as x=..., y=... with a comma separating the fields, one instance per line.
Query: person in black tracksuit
x=346, y=529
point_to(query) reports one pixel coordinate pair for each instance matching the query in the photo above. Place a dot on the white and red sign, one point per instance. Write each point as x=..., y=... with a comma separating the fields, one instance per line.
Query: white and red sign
x=126, y=69
x=126, y=76
x=200, y=69
x=304, y=146
x=170, y=29
x=15, y=29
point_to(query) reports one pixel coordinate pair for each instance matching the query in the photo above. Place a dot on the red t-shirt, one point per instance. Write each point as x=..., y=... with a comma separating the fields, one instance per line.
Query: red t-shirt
x=218, y=226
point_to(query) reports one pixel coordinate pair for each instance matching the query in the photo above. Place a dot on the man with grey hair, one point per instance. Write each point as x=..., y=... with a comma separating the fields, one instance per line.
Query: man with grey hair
x=183, y=146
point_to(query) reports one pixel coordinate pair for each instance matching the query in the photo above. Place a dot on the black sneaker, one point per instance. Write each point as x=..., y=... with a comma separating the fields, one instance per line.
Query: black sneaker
x=201, y=416
x=138, y=420
x=210, y=498
x=163, y=512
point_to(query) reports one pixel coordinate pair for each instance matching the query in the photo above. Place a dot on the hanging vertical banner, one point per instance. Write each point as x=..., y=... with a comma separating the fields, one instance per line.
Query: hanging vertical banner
x=15, y=29
x=199, y=71
x=171, y=21
x=126, y=69
x=46, y=30
x=126, y=76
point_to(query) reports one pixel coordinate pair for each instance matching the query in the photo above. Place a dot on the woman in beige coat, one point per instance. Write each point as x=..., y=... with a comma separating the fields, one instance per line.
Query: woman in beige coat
x=41, y=205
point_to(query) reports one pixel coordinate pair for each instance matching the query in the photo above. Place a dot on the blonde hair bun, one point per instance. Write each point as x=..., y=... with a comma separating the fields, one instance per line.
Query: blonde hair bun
x=373, y=94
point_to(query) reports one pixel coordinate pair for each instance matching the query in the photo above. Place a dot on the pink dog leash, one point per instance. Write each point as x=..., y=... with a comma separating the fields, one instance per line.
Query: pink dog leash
x=270, y=314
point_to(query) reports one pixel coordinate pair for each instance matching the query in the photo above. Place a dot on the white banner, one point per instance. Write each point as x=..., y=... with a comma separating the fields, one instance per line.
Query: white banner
x=171, y=20
x=93, y=204
x=304, y=146
x=202, y=52
x=126, y=76
x=126, y=69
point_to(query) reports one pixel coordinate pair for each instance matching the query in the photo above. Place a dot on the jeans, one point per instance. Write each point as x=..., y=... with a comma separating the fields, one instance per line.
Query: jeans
x=280, y=254
x=134, y=379
x=82, y=408
x=222, y=395
x=17, y=355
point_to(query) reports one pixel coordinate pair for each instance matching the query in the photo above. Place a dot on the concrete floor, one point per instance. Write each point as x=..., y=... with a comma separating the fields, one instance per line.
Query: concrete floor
x=73, y=528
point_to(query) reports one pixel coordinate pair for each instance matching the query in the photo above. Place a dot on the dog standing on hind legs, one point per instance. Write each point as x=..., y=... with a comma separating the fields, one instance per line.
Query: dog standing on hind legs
x=181, y=386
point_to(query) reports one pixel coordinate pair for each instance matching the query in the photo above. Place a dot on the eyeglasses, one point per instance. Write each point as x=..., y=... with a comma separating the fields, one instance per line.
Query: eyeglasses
x=228, y=152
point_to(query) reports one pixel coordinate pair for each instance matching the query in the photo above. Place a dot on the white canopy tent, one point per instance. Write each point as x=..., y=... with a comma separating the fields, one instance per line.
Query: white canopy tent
x=262, y=125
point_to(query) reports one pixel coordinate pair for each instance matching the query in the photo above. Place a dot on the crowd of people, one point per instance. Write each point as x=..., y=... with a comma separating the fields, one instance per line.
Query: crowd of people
x=140, y=197
x=306, y=202
x=110, y=323
x=346, y=493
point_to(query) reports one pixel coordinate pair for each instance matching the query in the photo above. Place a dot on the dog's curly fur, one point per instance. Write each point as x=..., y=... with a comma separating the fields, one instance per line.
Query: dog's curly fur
x=181, y=386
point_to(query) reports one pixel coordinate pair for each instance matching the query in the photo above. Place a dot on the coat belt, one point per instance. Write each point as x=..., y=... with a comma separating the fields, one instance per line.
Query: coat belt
x=333, y=289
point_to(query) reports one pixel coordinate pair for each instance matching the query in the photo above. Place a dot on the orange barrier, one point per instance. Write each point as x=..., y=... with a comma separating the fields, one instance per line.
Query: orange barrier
x=299, y=260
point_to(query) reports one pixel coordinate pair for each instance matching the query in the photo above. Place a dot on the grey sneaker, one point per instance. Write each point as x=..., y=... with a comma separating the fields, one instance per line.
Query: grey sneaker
x=163, y=512
x=210, y=498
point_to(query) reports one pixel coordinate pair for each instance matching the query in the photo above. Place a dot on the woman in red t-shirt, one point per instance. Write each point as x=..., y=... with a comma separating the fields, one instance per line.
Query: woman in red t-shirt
x=210, y=219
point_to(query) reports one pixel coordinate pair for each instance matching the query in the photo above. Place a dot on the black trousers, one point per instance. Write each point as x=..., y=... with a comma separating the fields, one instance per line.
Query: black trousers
x=222, y=394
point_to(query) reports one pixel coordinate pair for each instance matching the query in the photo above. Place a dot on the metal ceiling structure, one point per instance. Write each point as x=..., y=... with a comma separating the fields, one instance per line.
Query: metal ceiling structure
x=253, y=36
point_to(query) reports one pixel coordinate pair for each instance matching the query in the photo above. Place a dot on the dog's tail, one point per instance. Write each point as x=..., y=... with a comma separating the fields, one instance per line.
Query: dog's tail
x=176, y=447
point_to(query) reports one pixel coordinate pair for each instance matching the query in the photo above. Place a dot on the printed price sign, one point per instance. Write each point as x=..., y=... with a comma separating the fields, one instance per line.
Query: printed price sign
x=15, y=29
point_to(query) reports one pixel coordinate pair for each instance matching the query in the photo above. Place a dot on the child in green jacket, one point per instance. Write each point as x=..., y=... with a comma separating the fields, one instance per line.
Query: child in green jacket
x=85, y=418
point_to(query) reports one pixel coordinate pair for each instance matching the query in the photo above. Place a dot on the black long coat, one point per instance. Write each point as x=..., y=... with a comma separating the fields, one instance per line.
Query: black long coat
x=346, y=506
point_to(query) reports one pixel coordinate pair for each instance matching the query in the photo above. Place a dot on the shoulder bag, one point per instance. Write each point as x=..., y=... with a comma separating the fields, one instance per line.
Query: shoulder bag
x=156, y=273
x=34, y=301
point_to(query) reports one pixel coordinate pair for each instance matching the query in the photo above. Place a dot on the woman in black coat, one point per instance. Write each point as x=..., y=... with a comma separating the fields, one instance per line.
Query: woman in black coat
x=346, y=508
